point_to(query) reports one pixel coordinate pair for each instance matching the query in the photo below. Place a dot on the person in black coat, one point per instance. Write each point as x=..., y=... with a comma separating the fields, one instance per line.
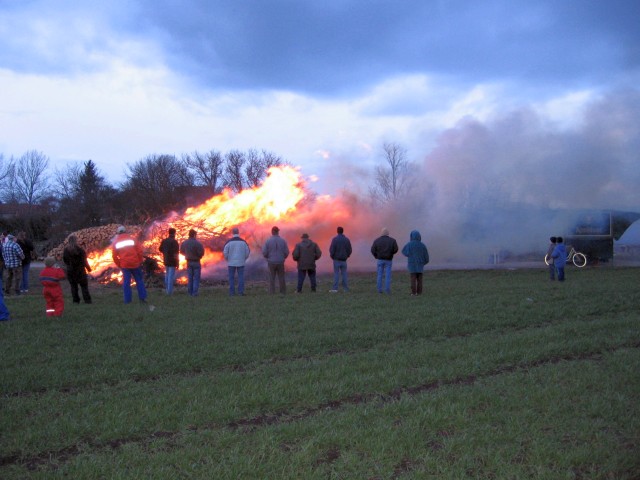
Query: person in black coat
x=75, y=259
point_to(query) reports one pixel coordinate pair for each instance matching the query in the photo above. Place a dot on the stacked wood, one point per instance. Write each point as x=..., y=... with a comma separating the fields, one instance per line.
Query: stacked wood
x=93, y=239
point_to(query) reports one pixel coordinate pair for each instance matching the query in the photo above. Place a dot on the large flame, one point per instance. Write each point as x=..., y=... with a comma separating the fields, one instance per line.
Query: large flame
x=281, y=199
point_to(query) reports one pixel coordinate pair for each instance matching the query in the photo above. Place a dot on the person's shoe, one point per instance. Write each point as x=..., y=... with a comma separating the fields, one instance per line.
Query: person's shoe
x=143, y=301
x=333, y=291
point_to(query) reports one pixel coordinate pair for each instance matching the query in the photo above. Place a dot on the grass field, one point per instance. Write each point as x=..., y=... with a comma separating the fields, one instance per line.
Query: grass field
x=495, y=374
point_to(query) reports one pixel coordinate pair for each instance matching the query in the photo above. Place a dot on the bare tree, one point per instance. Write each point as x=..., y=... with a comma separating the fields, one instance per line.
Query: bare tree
x=5, y=171
x=156, y=185
x=233, y=170
x=66, y=181
x=207, y=168
x=258, y=164
x=27, y=180
x=392, y=179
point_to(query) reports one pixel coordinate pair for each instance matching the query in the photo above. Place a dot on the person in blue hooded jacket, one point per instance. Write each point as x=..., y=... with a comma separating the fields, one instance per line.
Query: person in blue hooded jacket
x=417, y=257
x=559, y=256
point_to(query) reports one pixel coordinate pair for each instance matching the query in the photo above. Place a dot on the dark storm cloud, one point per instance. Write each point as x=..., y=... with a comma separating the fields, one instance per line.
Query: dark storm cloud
x=338, y=45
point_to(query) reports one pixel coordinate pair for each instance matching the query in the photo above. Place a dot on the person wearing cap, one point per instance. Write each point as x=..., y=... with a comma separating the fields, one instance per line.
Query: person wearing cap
x=236, y=251
x=306, y=253
x=13, y=256
x=417, y=257
x=170, y=250
x=193, y=251
x=275, y=250
x=383, y=249
x=50, y=277
x=128, y=256
x=340, y=250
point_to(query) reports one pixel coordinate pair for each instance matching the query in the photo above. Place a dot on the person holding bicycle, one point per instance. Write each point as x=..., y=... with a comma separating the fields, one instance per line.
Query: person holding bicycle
x=559, y=256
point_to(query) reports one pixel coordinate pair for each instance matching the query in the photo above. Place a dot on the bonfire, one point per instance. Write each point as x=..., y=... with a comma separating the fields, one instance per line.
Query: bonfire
x=282, y=200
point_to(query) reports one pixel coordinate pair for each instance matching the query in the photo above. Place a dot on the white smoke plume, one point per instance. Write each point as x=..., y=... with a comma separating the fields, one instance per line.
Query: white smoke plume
x=507, y=184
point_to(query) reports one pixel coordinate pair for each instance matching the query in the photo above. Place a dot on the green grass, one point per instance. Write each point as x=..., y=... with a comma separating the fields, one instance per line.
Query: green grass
x=490, y=374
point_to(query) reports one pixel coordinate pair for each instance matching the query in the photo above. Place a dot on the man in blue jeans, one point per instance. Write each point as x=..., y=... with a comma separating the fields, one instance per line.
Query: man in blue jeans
x=340, y=251
x=193, y=251
x=383, y=249
x=236, y=251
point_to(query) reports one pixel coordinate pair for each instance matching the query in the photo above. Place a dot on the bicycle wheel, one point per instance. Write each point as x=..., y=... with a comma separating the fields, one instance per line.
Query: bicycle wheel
x=579, y=259
x=547, y=260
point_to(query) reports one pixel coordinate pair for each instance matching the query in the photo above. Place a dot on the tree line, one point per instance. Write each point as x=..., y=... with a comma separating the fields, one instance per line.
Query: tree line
x=49, y=204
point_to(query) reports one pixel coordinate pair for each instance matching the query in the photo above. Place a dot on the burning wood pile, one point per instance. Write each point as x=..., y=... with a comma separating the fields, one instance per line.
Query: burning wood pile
x=92, y=239
x=280, y=199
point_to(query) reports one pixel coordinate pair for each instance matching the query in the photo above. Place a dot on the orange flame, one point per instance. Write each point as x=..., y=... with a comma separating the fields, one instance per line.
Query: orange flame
x=280, y=199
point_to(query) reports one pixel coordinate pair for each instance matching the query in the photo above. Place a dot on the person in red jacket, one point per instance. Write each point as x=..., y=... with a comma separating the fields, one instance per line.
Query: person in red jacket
x=126, y=252
x=50, y=278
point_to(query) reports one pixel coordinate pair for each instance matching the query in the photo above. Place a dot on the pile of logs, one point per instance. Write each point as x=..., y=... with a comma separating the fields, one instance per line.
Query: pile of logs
x=93, y=239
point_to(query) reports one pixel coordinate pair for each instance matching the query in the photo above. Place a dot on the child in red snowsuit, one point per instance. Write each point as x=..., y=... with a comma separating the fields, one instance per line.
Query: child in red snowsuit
x=50, y=278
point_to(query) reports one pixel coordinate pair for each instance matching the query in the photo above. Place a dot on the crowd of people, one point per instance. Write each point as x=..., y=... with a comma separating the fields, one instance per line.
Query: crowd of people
x=17, y=252
x=127, y=254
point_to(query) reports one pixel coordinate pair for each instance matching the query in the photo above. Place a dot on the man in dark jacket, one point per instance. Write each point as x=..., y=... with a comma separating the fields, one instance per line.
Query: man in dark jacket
x=75, y=258
x=171, y=257
x=27, y=248
x=340, y=251
x=193, y=251
x=306, y=253
x=383, y=249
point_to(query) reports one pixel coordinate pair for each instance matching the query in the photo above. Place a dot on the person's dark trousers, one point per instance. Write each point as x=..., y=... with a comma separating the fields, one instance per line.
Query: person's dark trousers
x=552, y=272
x=74, y=283
x=312, y=278
x=416, y=283
x=560, y=273
x=14, y=276
x=277, y=270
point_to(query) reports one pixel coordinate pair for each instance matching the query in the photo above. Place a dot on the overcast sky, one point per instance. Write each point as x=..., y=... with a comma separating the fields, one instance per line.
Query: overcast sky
x=320, y=83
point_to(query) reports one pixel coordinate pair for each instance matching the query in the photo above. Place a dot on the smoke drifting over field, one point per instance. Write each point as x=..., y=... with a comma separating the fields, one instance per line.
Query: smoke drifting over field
x=510, y=183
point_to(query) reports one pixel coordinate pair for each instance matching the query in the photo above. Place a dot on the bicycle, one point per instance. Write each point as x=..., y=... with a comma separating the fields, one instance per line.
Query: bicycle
x=575, y=257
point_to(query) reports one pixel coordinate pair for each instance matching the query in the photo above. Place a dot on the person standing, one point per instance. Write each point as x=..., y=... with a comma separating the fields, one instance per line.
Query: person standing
x=339, y=251
x=417, y=257
x=306, y=253
x=4, y=311
x=3, y=238
x=193, y=251
x=50, y=278
x=383, y=249
x=236, y=251
x=171, y=257
x=276, y=250
x=559, y=256
x=27, y=248
x=13, y=256
x=75, y=258
x=547, y=257
x=127, y=255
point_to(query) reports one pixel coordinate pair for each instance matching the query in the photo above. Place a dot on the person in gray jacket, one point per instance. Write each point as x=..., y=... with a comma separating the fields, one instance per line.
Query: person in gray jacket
x=275, y=250
x=193, y=251
x=306, y=253
x=236, y=251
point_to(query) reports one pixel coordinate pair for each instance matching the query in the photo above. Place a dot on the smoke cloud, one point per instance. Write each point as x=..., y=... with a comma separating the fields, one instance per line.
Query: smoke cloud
x=507, y=184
